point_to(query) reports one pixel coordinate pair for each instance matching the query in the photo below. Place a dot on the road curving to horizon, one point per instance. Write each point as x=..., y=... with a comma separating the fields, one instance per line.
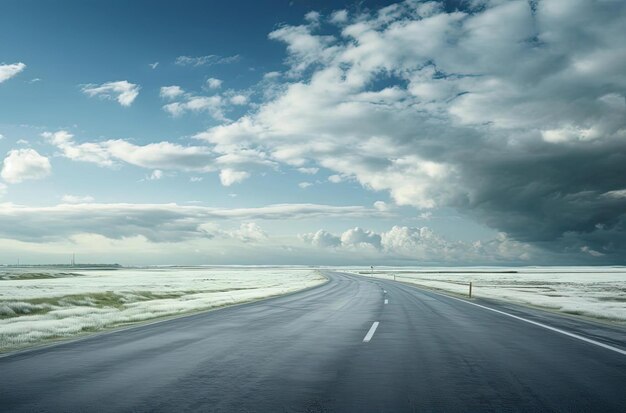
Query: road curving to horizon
x=354, y=344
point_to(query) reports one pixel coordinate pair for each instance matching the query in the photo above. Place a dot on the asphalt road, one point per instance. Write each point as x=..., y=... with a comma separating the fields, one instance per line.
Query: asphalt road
x=306, y=353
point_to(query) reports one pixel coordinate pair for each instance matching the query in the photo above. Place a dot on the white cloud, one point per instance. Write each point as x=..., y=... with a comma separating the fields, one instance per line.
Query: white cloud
x=420, y=244
x=207, y=60
x=86, y=152
x=321, y=239
x=591, y=252
x=407, y=241
x=153, y=65
x=122, y=91
x=249, y=232
x=213, y=83
x=304, y=185
x=569, y=133
x=8, y=71
x=171, y=92
x=210, y=104
x=426, y=215
x=156, y=222
x=382, y=206
x=239, y=100
x=215, y=105
x=312, y=17
x=305, y=49
x=358, y=237
x=230, y=176
x=3, y=189
x=618, y=193
x=77, y=199
x=335, y=179
x=271, y=75
x=155, y=175
x=309, y=171
x=24, y=164
x=339, y=16
x=160, y=155
x=195, y=179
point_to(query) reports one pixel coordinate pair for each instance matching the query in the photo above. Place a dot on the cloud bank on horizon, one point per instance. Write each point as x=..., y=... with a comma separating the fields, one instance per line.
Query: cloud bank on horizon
x=510, y=113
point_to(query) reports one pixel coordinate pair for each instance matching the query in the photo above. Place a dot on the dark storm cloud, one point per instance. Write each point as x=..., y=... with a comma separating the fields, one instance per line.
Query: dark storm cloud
x=553, y=196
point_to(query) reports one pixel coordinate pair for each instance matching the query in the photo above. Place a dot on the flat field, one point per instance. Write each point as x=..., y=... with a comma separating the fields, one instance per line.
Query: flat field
x=38, y=305
x=596, y=292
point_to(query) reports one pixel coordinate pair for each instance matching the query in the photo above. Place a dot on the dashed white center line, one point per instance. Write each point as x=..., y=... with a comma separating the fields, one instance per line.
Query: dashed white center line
x=370, y=333
x=386, y=301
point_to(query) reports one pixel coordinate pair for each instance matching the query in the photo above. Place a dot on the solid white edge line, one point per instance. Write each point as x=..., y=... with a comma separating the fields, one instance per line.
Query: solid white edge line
x=370, y=333
x=557, y=330
x=386, y=301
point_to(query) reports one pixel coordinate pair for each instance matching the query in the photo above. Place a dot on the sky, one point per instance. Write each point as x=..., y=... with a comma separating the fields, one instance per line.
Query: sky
x=476, y=132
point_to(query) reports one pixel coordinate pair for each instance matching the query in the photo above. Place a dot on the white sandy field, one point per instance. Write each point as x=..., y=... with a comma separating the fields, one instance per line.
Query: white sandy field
x=43, y=304
x=596, y=292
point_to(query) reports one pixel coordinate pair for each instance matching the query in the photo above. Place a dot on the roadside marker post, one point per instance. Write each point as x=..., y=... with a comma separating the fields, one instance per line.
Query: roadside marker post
x=470, y=289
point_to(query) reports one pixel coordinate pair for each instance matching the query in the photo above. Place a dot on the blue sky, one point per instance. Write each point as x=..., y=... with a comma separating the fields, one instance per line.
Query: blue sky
x=312, y=132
